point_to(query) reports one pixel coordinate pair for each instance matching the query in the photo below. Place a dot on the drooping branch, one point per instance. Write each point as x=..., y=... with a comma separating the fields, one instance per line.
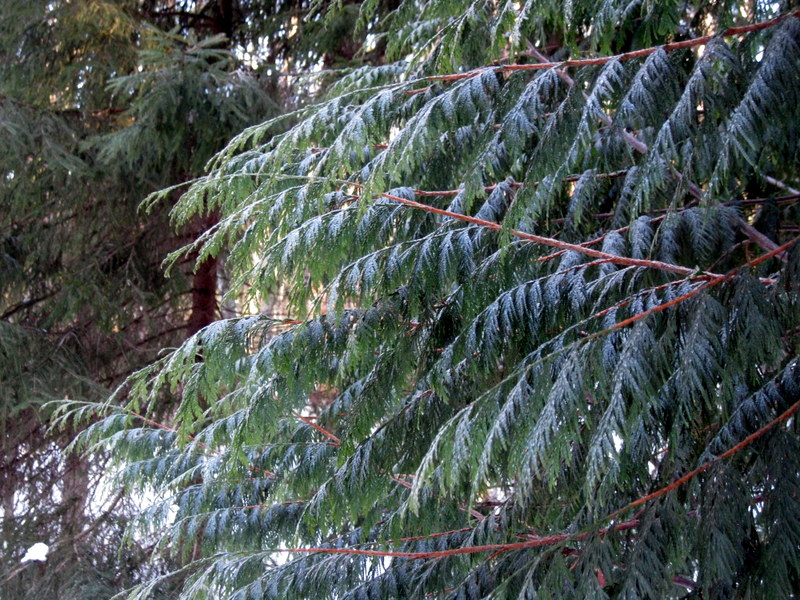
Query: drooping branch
x=552, y=242
x=707, y=465
x=550, y=540
x=602, y=60
x=212, y=451
x=709, y=281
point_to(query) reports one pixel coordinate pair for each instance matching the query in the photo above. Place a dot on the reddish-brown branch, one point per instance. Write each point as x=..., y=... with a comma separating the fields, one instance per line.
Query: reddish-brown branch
x=710, y=281
x=601, y=60
x=656, y=309
x=322, y=430
x=532, y=542
x=554, y=243
x=539, y=541
x=706, y=466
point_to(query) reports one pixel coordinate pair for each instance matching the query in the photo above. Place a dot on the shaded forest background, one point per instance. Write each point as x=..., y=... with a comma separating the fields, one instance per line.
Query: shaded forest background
x=101, y=104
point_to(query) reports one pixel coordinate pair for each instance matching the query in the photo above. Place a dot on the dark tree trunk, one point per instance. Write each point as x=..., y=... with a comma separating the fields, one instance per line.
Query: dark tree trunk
x=205, y=306
x=75, y=493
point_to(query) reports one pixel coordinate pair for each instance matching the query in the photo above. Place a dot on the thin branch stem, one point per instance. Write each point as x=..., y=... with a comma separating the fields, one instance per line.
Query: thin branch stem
x=711, y=281
x=601, y=60
x=707, y=465
x=554, y=243
x=322, y=430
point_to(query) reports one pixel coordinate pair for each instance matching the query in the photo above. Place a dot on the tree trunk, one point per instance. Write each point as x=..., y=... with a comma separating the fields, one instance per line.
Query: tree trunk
x=205, y=306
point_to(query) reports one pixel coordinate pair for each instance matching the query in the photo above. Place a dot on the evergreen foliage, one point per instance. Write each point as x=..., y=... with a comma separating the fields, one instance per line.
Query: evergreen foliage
x=552, y=303
x=101, y=103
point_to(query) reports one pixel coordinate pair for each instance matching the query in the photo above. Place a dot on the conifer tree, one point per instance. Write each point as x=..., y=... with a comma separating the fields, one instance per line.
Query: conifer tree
x=102, y=103
x=544, y=277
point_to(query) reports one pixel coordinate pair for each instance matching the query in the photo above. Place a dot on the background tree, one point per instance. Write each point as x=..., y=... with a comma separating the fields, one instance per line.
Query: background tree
x=550, y=254
x=102, y=103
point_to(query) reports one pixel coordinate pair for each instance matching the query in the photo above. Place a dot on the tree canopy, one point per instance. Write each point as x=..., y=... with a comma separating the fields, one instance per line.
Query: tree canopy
x=543, y=277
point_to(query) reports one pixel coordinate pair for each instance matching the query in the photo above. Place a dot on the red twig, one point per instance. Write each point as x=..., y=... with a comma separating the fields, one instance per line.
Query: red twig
x=496, y=548
x=554, y=243
x=322, y=430
x=706, y=466
x=601, y=60
x=538, y=541
x=711, y=280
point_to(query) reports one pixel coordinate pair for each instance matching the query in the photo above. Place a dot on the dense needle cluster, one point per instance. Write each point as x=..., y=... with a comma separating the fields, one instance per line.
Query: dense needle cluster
x=544, y=274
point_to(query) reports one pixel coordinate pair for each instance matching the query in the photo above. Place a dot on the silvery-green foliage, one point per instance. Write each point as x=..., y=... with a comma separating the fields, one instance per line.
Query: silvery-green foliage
x=483, y=387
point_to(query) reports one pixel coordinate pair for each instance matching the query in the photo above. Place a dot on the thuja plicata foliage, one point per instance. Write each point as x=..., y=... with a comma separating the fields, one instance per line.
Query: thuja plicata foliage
x=543, y=274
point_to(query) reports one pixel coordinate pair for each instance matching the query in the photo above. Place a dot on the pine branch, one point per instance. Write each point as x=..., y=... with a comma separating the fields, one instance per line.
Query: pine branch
x=550, y=540
x=641, y=53
x=553, y=243
x=192, y=438
x=710, y=280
